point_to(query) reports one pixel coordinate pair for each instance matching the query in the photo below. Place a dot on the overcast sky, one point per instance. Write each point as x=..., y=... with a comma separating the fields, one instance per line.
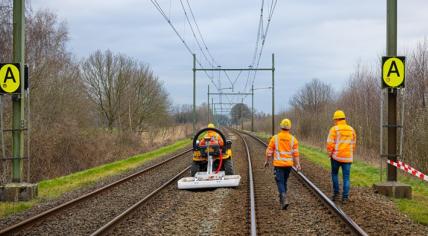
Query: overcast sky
x=310, y=39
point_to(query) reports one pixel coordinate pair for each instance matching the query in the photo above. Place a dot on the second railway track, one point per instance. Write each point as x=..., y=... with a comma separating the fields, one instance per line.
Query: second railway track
x=221, y=211
x=310, y=211
x=85, y=214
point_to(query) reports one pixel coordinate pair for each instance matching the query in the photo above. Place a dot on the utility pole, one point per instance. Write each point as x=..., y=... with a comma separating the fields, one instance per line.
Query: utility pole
x=219, y=82
x=208, y=114
x=18, y=190
x=252, y=108
x=391, y=50
x=18, y=100
x=194, y=94
x=214, y=117
x=273, y=94
x=392, y=188
x=242, y=119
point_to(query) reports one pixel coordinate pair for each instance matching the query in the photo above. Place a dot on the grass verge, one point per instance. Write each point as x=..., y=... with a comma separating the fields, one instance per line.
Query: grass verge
x=365, y=175
x=54, y=188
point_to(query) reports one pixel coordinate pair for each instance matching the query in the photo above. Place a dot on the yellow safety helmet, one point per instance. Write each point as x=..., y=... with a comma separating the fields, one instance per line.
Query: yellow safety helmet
x=211, y=125
x=339, y=114
x=285, y=124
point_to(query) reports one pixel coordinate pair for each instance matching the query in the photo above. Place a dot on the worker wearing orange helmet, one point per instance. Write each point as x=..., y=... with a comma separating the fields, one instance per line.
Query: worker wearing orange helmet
x=283, y=153
x=341, y=143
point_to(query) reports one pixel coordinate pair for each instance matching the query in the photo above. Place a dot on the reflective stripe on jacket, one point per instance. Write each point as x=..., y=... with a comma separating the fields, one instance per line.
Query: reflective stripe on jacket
x=341, y=142
x=214, y=138
x=284, y=147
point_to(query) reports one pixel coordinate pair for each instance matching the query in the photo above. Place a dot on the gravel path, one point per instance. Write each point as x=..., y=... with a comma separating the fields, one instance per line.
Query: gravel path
x=375, y=213
x=86, y=217
x=306, y=215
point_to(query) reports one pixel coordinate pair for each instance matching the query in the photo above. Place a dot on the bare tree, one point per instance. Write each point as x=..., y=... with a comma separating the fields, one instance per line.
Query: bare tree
x=107, y=76
x=5, y=30
x=147, y=100
x=313, y=97
x=310, y=108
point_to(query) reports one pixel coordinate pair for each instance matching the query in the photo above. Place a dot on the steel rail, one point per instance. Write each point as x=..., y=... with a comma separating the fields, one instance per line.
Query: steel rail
x=108, y=226
x=253, y=228
x=32, y=220
x=326, y=200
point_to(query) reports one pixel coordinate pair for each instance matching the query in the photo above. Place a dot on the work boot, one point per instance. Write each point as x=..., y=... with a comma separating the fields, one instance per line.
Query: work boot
x=283, y=201
x=345, y=200
x=334, y=197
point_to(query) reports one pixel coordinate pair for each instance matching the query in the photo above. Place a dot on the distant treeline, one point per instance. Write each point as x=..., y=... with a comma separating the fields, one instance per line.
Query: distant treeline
x=313, y=105
x=84, y=112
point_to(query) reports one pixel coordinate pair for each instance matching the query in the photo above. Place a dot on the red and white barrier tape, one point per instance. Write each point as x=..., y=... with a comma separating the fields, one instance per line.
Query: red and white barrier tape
x=408, y=169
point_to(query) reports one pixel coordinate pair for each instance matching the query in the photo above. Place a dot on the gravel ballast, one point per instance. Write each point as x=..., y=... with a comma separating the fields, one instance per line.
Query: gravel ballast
x=85, y=217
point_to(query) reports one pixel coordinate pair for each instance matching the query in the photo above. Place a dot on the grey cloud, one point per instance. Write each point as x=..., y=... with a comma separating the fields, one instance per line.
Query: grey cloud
x=312, y=38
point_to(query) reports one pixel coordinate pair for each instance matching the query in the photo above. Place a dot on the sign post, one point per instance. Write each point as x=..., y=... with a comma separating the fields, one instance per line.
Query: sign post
x=14, y=81
x=18, y=99
x=194, y=97
x=393, y=77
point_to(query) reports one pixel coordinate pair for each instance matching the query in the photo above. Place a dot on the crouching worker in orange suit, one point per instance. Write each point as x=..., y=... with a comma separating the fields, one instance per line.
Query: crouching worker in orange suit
x=283, y=154
x=213, y=136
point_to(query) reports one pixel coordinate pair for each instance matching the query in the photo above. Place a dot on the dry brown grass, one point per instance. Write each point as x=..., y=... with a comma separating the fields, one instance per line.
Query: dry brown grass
x=65, y=148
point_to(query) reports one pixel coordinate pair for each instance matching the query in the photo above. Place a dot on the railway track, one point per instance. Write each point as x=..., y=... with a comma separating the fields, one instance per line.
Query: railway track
x=267, y=225
x=179, y=211
x=53, y=219
x=111, y=224
x=220, y=211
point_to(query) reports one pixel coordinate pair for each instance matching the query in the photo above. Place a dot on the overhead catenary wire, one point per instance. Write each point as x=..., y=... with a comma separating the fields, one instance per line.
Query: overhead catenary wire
x=259, y=30
x=209, y=61
x=261, y=35
x=266, y=14
x=214, y=62
x=264, y=36
x=168, y=20
x=228, y=78
x=236, y=79
x=200, y=34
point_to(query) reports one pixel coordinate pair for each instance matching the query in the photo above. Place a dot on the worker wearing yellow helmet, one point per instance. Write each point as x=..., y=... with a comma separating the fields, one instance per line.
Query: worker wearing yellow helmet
x=283, y=153
x=214, y=139
x=213, y=135
x=341, y=143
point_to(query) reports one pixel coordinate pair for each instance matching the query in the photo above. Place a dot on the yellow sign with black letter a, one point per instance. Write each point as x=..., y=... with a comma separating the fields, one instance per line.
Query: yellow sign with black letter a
x=393, y=72
x=10, y=78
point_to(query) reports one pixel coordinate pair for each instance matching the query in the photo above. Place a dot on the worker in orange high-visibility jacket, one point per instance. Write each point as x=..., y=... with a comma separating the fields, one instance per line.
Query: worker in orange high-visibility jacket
x=283, y=153
x=200, y=162
x=214, y=136
x=341, y=143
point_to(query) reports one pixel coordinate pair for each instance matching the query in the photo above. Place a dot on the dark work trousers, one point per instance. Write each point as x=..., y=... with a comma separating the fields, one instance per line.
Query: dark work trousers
x=346, y=172
x=281, y=178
